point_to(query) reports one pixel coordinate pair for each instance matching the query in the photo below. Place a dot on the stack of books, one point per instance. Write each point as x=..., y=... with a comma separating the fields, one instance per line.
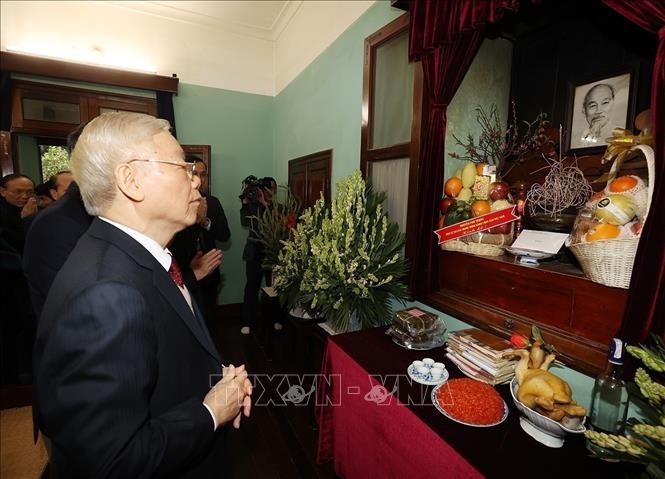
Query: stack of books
x=480, y=355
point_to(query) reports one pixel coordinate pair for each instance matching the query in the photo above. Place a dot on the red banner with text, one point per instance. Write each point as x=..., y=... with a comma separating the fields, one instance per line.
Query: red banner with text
x=474, y=225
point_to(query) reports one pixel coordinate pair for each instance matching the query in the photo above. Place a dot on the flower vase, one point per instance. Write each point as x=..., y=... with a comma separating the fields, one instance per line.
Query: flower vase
x=352, y=325
x=354, y=322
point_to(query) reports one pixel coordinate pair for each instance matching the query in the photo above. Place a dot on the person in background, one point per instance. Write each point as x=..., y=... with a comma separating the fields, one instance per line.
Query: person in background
x=124, y=365
x=60, y=181
x=196, y=246
x=597, y=108
x=57, y=186
x=253, y=253
x=17, y=201
x=43, y=195
x=53, y=234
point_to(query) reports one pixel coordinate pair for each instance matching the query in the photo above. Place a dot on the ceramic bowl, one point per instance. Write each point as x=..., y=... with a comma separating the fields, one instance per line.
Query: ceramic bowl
x=541, y=428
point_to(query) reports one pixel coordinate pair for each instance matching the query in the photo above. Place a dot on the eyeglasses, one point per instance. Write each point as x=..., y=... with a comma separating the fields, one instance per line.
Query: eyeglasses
x=190, y=167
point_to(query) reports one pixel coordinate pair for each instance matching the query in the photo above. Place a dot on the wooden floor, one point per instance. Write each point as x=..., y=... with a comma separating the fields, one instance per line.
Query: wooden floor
x=277, y=441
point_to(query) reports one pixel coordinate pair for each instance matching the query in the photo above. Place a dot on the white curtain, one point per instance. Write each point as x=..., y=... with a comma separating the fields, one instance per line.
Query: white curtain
x=392, y=177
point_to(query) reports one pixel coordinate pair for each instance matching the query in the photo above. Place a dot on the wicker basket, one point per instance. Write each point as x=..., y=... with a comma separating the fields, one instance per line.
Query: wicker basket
x=610, y=262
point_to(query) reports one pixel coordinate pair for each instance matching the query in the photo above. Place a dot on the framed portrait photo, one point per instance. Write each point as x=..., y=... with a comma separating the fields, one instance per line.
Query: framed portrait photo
x=200, y=152
x=596, y=107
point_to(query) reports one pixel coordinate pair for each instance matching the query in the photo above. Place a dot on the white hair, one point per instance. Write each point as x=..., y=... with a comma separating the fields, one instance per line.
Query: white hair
x=107, y=141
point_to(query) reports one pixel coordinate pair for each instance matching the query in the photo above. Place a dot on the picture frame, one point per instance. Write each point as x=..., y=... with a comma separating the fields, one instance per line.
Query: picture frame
x=610, y=103
x=202, y=152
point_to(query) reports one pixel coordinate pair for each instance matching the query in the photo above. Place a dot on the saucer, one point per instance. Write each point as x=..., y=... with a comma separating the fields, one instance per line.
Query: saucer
x=426, y=380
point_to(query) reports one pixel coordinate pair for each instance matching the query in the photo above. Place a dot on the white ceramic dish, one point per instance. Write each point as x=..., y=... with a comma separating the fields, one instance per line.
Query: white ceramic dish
x=443, y=411
x=542, y=429
x=426, y=379
x=528, y=253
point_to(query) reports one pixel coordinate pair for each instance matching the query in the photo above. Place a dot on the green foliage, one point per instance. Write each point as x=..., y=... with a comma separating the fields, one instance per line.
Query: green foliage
x=275, y=225
x=344, y=259
x=54, y=160
x=643, y=443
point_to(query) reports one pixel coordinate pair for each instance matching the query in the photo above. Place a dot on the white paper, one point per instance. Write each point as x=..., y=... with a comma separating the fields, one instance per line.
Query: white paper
x=545, y=241
x=270, y=291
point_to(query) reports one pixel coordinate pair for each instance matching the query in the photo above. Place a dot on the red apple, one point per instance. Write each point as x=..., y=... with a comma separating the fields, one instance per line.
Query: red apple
x=446, y=203
x=503, y=229
x=499, y=190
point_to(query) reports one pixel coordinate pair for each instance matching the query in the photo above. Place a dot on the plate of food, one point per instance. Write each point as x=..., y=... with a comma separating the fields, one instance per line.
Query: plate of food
x=470, y=402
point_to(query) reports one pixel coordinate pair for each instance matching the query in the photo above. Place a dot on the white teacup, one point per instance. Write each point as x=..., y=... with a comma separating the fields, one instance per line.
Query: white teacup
x=417, y=364
x=429, y=362
x=436, y=373
x=439, y=365
x=423, y=370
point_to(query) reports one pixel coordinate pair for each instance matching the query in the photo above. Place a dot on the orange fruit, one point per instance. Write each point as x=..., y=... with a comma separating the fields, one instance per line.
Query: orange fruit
x=603, y=231
x=597, y=195
x=479, y=168
x=453, y=187
x=480, y=207
x=623, y=183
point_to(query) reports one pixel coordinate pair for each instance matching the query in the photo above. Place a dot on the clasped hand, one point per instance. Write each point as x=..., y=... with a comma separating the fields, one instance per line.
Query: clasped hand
x=230, y=398
x=204, y=264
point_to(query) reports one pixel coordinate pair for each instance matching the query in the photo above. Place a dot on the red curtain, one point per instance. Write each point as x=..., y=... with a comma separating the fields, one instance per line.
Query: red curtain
x=446, y=36
x=645, y=309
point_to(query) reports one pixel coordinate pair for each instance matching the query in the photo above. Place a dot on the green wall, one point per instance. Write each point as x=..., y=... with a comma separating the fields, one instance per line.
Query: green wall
x=239, y=128
x=487, y=82
x=321, y=108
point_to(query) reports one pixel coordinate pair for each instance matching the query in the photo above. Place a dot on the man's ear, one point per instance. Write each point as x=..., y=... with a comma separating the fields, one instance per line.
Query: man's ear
x=127, y=180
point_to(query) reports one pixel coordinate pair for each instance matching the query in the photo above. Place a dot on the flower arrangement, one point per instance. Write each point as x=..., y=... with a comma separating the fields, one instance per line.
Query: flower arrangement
x=275, y=224
x=344, y=259
x=644, y=442
x=499, y=147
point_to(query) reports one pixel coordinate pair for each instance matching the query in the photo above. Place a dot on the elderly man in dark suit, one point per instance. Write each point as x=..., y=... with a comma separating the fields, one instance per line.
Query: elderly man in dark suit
x=124, y=363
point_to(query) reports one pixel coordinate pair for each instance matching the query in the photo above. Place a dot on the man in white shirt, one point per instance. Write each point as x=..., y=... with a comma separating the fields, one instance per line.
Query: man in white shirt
x=127, y=377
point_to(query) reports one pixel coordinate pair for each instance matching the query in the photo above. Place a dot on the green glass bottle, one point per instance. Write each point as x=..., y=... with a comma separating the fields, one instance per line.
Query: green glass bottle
x=609, y=399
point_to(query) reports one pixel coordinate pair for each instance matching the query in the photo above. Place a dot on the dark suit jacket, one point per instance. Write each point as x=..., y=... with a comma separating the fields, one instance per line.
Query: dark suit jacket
x=122, y=366
x=51, y=237
x=194, y=238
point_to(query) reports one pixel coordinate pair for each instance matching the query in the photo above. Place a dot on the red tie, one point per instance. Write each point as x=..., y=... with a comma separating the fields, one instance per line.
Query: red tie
x=175, y=273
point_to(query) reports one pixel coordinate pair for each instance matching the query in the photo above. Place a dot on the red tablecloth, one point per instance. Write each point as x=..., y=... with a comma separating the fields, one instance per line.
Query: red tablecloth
x=375, y=423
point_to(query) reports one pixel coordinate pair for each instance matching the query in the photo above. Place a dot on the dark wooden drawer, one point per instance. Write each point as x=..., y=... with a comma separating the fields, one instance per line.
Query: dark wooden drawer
x=579, y=316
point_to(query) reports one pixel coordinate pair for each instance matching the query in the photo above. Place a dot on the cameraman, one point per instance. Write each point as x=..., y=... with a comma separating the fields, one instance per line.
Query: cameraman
x=256, y=197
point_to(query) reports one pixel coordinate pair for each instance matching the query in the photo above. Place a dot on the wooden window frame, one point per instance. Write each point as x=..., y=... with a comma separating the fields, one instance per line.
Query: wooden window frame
x=409, y=149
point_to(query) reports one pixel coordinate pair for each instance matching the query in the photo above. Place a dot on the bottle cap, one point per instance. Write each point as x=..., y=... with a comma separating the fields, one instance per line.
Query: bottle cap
x=615, y=354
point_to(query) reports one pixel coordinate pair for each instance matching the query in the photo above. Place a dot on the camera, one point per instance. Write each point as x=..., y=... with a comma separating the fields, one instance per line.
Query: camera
x=251, y=187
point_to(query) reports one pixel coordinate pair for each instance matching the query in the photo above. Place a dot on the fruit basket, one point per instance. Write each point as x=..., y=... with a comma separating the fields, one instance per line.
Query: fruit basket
x=610, y=261
x=471, y=194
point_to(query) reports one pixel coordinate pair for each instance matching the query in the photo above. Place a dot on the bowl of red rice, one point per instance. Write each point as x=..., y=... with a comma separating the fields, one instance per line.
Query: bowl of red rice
x=470, y=402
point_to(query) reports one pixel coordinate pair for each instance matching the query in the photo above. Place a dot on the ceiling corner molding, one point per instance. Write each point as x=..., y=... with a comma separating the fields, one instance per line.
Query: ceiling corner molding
x=285, y=16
